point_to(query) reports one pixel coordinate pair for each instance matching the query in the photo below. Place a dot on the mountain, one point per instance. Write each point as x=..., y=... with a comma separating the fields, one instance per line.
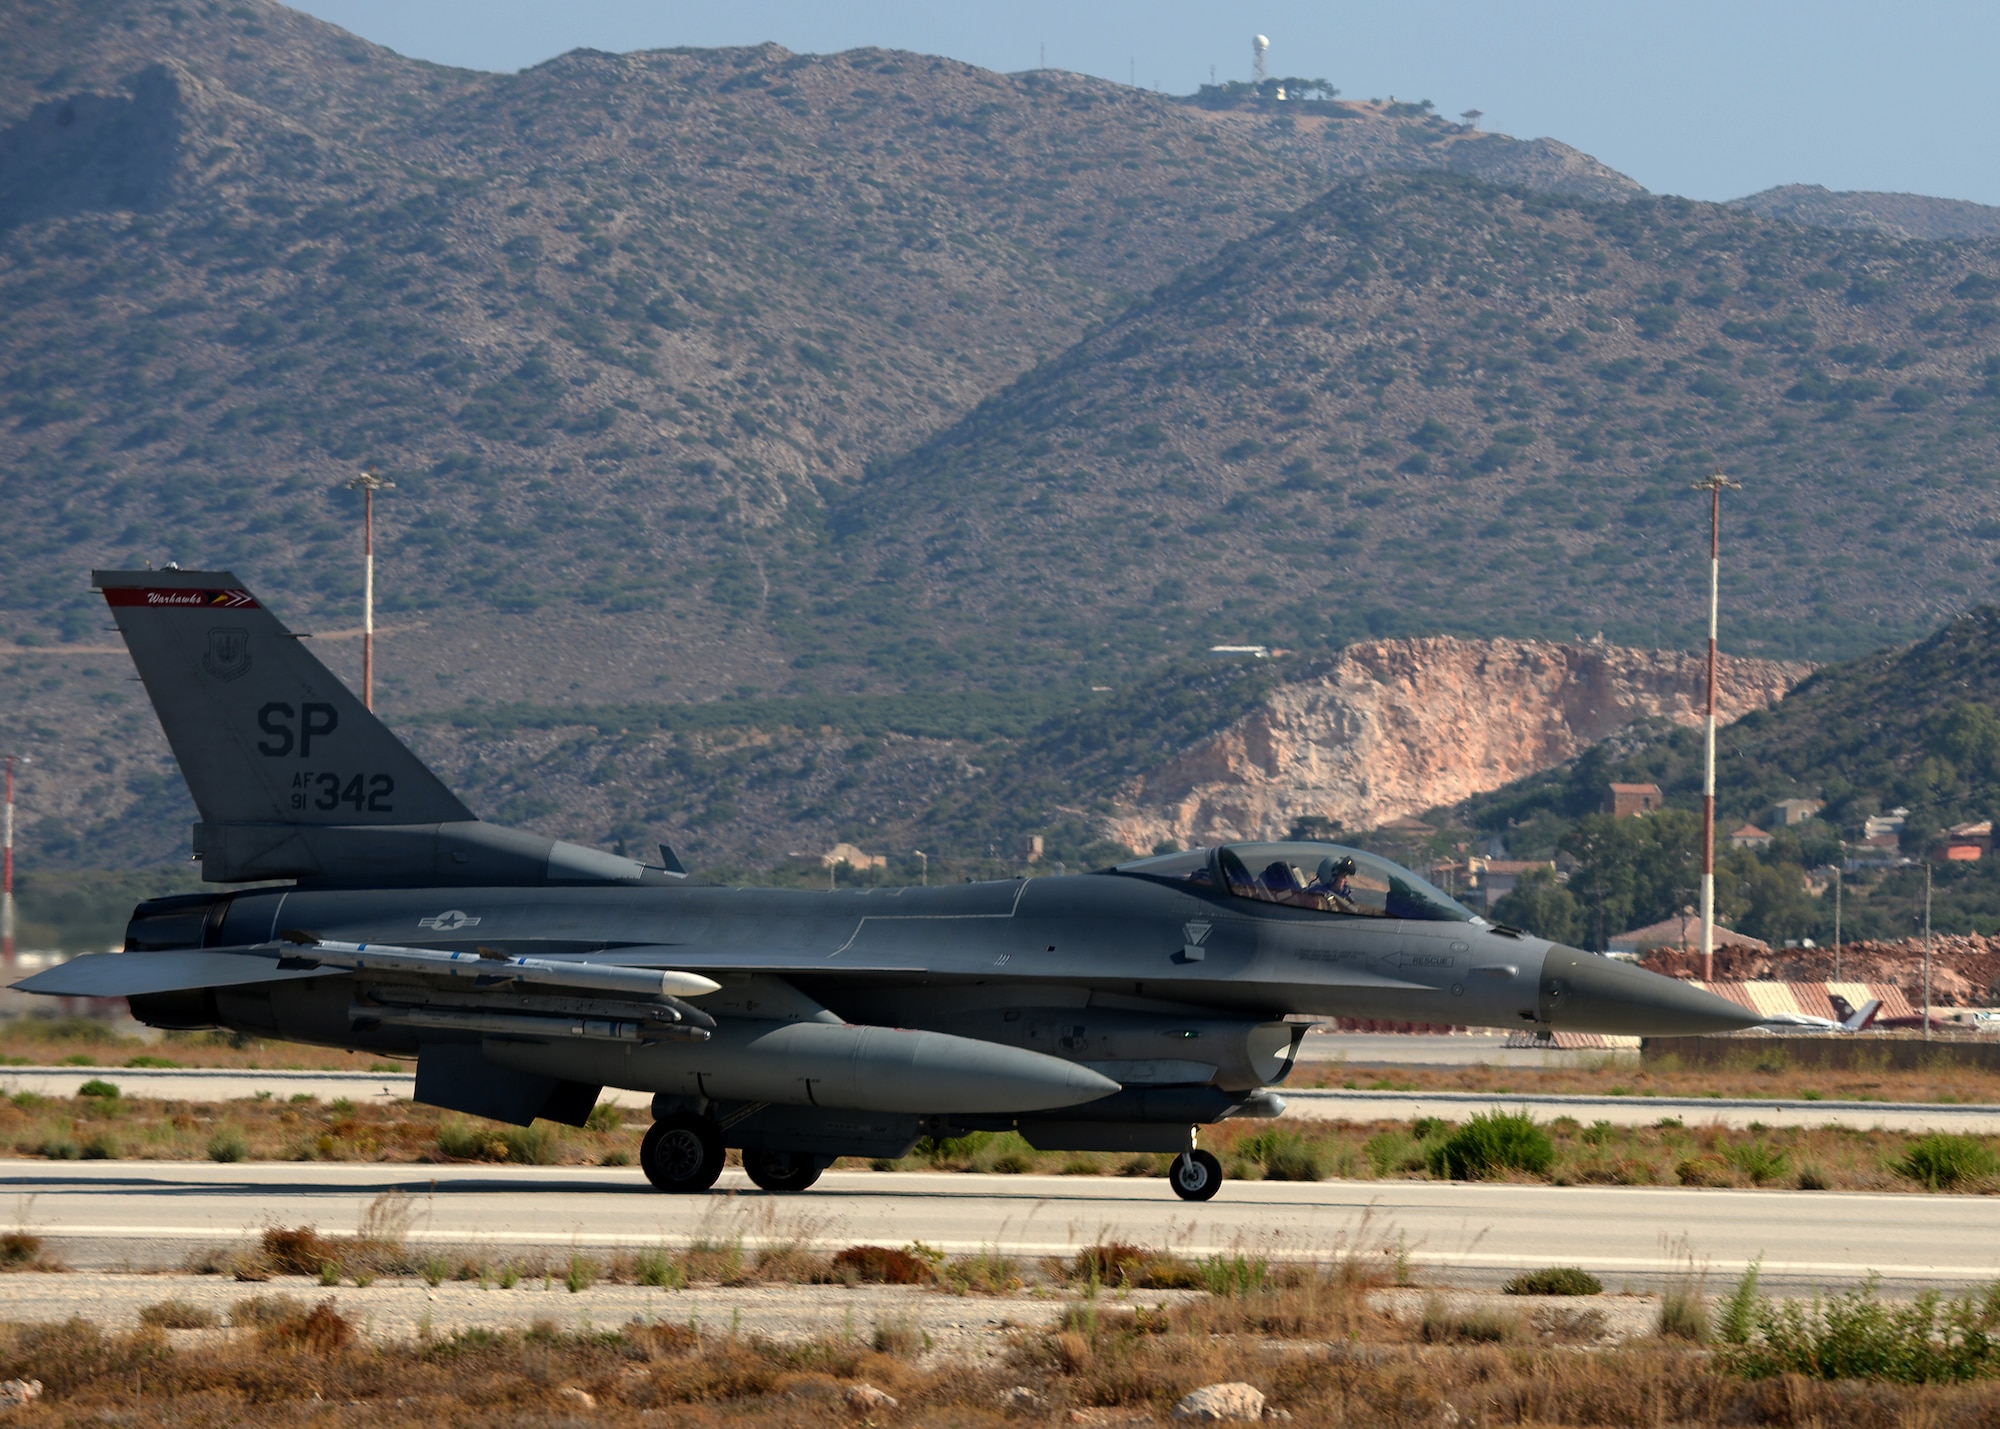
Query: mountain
x=811, y=412
x=1900, y=215
x=1915, y=727
x=1422, y=404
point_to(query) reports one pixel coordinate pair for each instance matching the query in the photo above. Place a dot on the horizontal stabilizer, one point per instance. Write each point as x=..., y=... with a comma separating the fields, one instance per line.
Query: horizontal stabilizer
x=136, y=974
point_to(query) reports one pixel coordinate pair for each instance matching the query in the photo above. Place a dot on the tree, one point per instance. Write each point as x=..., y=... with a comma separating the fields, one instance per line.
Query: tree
x=1541, y=905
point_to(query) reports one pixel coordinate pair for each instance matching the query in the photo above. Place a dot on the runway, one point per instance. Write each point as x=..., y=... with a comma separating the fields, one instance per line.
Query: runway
x=146, y=1214
x=1319, y=1105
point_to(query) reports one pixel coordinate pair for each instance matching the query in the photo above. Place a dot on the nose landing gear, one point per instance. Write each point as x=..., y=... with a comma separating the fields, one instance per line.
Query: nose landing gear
x=1195, y=1175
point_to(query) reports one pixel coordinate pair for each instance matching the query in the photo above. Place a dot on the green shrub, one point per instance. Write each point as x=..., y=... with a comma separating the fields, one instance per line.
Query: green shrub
x=1943, y=1160
x=656, y=1267
x=1853, y=1335
x=61, y=1148
x=98, y=1087
x=1761, y=1162
x=534, y=1145
x=103, y=1147
x=1555, y=1280
x=1491, y=1144
x=1443, y=1324
x=228, y=1145
x=1391, y=1153
x=1684, y=1313
x=1284, y=1156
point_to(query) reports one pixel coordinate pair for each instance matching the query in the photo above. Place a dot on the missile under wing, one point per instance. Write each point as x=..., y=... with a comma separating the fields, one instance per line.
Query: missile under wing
x=1117, y=1010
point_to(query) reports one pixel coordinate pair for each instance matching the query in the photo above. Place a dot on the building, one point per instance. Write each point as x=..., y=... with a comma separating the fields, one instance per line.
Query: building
x=1481, y=881
x=1683, y=932
x=1880, y=827
x=1750, y=836
x=853, y=857
x=1625, y=800
x=1966, y=843
x=1788, y=812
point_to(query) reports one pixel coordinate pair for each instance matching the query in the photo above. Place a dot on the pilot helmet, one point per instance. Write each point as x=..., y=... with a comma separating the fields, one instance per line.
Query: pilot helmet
x=1331, y=868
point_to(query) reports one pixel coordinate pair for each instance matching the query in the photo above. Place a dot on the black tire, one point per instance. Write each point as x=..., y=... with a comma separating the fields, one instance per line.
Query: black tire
x=682, y=1154
x=1195, y=1175
x=781, y=1170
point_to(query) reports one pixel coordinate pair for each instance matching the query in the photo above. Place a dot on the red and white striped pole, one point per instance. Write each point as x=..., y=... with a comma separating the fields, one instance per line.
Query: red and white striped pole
x=7, y=873
x=1714, y=487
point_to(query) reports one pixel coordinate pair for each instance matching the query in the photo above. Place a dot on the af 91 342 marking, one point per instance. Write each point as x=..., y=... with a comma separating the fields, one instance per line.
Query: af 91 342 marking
x=326, y=791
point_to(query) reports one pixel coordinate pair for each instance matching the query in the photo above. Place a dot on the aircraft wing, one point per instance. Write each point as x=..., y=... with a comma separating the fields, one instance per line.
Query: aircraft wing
x=136, y=974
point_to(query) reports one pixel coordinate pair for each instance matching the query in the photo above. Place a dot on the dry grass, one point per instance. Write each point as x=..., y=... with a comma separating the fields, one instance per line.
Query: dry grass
x=91, y=1042
x=1756, y=1073
x=296, y=1129
x=1816, y=1158
x=1306, y=1334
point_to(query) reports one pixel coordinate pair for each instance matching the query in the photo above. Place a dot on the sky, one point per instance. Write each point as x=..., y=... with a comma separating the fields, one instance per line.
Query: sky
x=1703, y=98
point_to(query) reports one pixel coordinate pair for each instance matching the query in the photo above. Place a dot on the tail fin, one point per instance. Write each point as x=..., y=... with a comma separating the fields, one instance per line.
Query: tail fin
x=293, y=777
x=264, y=733
x=1858, y=1021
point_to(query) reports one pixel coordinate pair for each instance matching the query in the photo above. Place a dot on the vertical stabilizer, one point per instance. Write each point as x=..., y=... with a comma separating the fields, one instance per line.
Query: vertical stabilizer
x=264, y=733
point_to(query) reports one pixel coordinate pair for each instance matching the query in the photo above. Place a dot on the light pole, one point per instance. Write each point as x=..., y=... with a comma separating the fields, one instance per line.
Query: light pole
x=1713, y=486
x=368, y=483
x=1839, y=872
x=1927, y=949
x=926, y=865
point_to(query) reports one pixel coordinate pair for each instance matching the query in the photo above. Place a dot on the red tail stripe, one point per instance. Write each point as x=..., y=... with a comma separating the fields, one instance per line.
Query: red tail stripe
x=164, y=598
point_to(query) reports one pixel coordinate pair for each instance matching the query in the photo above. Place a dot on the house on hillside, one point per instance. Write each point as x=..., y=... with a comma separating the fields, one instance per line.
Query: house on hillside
x=1625, y=800
x=1750, y=837
x=1482, y=881
x=1789, y=812
x=1966, y=843
x=1884, y=830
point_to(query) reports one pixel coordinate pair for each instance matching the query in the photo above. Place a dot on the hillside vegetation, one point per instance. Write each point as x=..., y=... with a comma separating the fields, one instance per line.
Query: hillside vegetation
x=778, y=438
x=1915, y=728
x=1421, y=404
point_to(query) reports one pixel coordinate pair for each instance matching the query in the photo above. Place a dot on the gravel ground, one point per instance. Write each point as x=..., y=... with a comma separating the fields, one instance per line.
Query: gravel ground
x=960, y=1327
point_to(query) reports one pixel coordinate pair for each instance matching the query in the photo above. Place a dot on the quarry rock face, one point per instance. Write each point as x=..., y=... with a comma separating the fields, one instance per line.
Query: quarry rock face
x=1393, y=727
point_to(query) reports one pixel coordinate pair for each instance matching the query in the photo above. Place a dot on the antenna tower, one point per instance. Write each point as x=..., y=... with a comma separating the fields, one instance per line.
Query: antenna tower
x=1258, y=46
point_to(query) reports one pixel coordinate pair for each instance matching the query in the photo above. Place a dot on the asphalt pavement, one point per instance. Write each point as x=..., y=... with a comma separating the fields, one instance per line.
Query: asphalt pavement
x=144, y=1214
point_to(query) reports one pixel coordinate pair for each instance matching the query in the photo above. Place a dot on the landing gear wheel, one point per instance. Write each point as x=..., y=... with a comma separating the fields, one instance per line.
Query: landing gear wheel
x=1195, y=1175
x=682, y=1154
x=781, y=1170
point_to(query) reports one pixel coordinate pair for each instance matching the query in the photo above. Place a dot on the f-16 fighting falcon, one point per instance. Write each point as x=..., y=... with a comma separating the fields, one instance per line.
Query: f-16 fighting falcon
x=1120, y=1010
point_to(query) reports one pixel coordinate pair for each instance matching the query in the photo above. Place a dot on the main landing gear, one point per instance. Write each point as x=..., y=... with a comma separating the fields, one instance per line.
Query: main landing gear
x=683, y=1153
x=781, y=1170
x=1195, y=1175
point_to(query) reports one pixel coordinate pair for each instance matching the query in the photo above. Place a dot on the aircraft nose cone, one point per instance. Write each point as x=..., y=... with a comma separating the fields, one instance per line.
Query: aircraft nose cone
x=1581, y=992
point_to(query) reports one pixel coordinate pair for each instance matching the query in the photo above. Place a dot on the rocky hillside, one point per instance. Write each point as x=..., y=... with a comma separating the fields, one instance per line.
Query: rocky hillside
x=1425, y=405
x=1394, y=727
x=1899, y=215
x=1347, y=138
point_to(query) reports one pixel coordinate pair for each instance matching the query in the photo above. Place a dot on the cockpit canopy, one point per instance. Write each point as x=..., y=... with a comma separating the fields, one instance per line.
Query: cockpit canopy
x=1323, y=878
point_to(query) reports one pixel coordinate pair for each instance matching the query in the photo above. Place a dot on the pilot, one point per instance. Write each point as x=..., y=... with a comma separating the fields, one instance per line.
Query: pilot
x=1283, y=884
x=1334, y=887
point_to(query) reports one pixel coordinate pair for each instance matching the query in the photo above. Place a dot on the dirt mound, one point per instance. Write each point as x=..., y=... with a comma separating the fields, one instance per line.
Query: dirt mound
x=1965, y=968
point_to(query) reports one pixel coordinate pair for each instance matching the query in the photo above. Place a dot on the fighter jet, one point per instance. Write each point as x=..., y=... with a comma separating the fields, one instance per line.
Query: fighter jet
x=1119, y=1010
